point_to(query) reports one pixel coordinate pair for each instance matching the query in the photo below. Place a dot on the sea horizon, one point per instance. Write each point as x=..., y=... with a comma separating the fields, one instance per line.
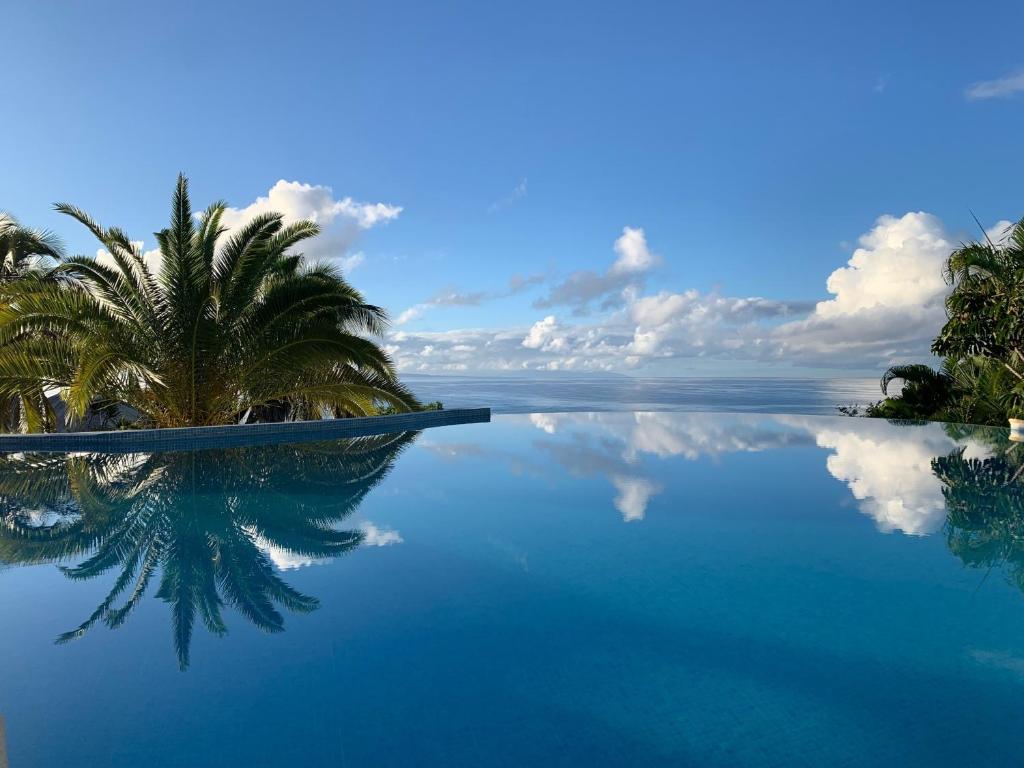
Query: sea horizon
x=525, y=393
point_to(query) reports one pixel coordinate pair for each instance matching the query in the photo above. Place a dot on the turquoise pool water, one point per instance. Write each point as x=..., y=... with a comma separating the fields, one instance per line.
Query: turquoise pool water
x=549, y=589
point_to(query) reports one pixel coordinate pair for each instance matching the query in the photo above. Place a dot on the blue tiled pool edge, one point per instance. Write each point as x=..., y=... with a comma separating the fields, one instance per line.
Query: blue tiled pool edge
x=179, y=438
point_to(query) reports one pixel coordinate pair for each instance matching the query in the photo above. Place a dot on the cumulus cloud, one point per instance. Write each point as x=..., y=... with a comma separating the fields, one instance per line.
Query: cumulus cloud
x=999, y=232
x=633, y=255
x=885, y=305
x=342, y=220
x=887, y=301
x=1000, y=88
x=544, y=335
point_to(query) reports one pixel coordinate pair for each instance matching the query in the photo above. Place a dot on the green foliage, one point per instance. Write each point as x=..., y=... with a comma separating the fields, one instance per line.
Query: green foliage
x=23, y=252
x=436, y=405
x=230, y=325
x=981, y=379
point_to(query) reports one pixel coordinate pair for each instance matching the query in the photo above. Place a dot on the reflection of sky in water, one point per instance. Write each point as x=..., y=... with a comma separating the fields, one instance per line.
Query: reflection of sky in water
x=887, y=467
x=485, y=598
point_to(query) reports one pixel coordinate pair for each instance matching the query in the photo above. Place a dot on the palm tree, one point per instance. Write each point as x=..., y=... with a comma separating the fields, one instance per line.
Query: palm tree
x=22, y=251
x=925, y=390
x=204, y=526
x=227, y=325
x=985, y=308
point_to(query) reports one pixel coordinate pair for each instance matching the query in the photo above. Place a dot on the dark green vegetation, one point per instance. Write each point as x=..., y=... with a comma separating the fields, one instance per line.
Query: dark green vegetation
x=230, y=326
x=203, y=525
x=981, y=379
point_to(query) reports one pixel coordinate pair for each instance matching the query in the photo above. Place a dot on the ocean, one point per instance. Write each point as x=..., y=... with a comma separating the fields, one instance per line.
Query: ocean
x=522, y=394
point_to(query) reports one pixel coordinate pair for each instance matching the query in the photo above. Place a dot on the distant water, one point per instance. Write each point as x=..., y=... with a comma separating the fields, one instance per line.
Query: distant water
x=518, y=394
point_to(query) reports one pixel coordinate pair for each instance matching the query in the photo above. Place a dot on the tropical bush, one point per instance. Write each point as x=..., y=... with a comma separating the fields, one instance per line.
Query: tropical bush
x=981, y=378
x=229, y=326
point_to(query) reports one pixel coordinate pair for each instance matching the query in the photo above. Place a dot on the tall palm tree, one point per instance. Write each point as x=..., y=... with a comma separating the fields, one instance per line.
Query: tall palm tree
x=23, y=251
x=228, y=323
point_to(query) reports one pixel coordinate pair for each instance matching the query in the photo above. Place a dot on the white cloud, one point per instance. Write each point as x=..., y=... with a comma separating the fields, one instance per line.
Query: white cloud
x=898, y=265
x=341, y=219
x=1000, y=88
x=543, y=335
x=886, y=304
x=633, y=254
x=887, y=301
x=295, y=201
x=999, y=232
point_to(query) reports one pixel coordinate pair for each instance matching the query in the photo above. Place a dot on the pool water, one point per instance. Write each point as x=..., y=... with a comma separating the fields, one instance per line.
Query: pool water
x=549, y=589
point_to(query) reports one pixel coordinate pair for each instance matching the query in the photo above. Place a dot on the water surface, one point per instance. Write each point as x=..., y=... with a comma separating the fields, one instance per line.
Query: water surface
x=549, y=589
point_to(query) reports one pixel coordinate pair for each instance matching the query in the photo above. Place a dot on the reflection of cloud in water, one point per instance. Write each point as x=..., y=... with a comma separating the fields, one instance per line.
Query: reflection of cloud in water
x=891, y=476
x=289, y=560
x=634, y=494
x=695, y=435
x=887, y=467
x=379, y=537
x=544, y=421
x=612, y=444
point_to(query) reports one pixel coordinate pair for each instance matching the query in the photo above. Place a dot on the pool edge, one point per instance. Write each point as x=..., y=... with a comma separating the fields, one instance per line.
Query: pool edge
x=237, y=435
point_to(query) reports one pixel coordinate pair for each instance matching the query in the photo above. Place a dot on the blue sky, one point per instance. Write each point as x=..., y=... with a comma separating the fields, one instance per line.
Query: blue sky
x=750, y=146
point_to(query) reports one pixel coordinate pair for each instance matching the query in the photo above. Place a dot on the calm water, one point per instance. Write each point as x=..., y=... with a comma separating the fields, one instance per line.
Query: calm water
x=527, y=394
x=577, y=589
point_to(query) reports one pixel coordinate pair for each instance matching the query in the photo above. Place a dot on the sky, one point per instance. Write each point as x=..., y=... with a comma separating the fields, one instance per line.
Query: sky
x=646, y=188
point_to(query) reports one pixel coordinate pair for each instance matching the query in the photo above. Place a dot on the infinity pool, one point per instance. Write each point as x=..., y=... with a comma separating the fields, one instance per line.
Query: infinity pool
x=551, y=589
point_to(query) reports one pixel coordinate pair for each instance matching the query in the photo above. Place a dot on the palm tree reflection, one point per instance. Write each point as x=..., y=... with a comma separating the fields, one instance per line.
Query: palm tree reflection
x=201, y=524
x=985, y=502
